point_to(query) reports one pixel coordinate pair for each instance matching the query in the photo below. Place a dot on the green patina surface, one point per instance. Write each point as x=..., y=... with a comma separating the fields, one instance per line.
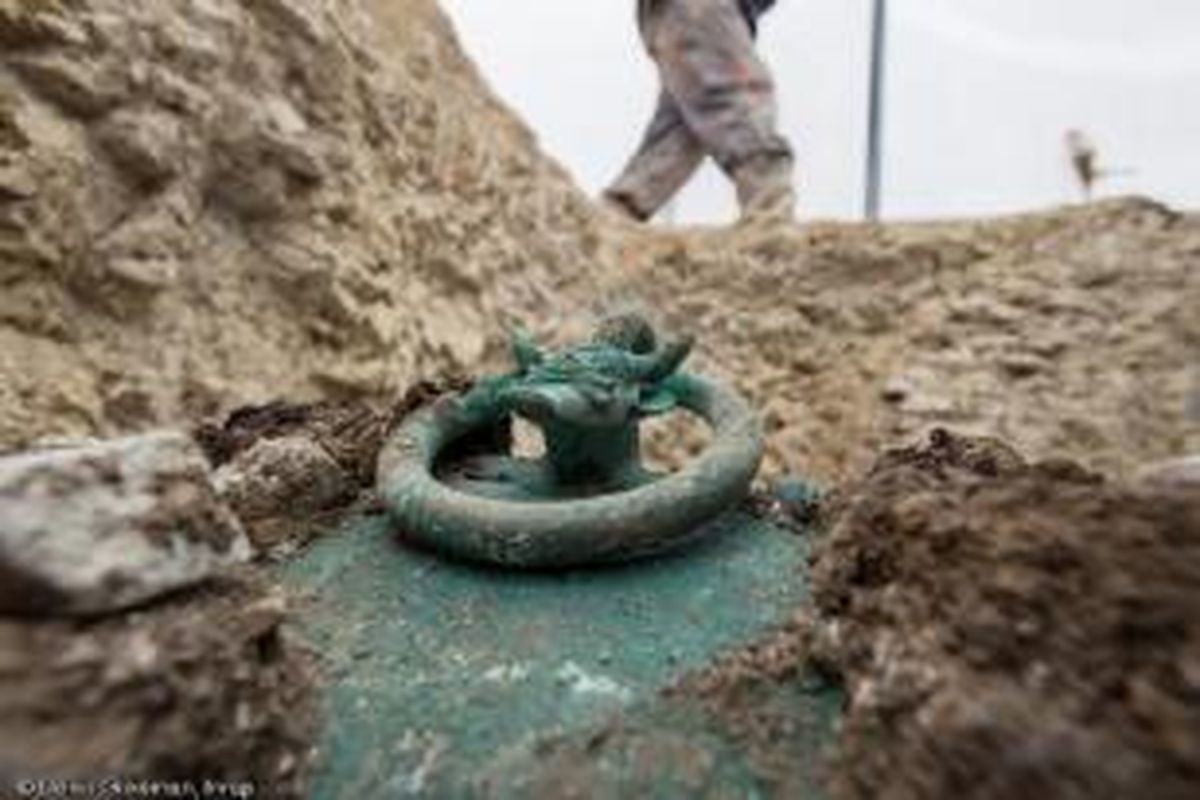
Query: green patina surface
x=588, y=400
x=448, y=680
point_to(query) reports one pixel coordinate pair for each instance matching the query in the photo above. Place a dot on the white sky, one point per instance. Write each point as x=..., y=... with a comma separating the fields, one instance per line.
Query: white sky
x=980, y=93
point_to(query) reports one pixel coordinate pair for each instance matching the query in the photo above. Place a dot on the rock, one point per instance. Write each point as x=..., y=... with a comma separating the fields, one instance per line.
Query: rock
x=896, y=390
x=97, y=528
x=149, y=273
x=262, y=155
x=283, y=116
x=298, y=17
x=148, y=145
x=27, y=25
x=282, y=483
x=1180, y=473
x=178, y=94
x=159, y=693
x=80, y=88
x=16, y=183
x=142, y=254
x=266, y=614
x=918, y=392
x=351, y=432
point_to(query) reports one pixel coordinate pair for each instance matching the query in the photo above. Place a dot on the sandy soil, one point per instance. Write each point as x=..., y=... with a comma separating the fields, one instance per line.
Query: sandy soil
x=1007, y=629
x=1071, y=333
x=204, y=686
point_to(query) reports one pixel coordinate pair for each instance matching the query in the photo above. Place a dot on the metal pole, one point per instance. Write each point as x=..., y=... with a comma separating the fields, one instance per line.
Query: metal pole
x=874, y=170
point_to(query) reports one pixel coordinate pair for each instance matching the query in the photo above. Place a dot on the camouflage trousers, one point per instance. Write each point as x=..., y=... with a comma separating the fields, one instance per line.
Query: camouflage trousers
x=717, y=99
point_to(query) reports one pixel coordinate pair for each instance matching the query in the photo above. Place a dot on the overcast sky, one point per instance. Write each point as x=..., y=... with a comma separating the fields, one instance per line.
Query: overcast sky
x=980, y=93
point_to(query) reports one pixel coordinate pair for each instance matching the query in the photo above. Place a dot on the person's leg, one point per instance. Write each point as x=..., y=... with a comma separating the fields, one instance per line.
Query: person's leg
x=668, y=155
x=725, y=94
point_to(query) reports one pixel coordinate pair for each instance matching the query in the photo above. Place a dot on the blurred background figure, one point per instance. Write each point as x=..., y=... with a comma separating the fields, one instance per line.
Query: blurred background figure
x=717, y=99
x=977, y=97
x=1086, y=164
x=1083, y=161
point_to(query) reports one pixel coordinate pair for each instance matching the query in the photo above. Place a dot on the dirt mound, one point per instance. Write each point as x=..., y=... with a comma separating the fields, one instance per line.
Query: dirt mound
x=1011, y=630
x=204, y=205
x=203, y=687
x=1070, y=333
x=209, y=205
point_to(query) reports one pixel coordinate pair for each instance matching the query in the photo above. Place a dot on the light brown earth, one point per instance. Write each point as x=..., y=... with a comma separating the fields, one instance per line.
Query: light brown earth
x=1074, y=333
x=212, y=204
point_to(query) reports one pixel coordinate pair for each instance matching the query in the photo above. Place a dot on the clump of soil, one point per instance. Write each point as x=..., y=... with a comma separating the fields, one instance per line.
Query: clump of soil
x=204, y=686
x=1002, y=629
x=1006, y=629
x=352, y=432
x=323, y=461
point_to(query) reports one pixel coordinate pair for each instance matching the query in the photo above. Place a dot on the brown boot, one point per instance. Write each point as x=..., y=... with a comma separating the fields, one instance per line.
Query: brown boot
x=765, y=188
x=620, y=208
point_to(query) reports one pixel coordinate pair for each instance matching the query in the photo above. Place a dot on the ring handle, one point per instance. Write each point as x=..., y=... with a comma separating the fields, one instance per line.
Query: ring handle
x=622, y=526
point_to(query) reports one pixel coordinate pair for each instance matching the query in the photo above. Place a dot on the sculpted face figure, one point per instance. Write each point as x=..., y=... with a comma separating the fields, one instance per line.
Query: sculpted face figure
x=588, y=399
x=615, y=379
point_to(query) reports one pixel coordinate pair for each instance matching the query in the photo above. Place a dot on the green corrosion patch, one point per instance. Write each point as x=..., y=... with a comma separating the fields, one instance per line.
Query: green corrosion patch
x=451, y=680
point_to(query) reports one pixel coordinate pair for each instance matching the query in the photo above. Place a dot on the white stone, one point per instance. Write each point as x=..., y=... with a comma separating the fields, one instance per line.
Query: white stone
x=284, y=477
x=97, y=528
x=1180, y=473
